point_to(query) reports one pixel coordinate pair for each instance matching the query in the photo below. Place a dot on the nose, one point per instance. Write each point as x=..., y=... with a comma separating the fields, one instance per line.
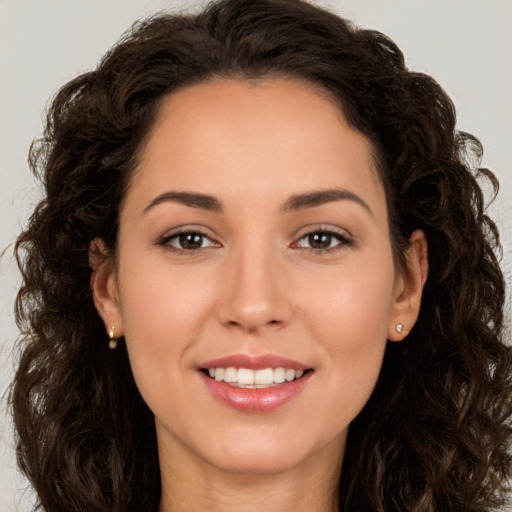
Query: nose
x=255, y=295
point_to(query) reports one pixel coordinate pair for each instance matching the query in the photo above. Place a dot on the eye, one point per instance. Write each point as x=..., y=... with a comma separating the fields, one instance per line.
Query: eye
x=187, y=241
x=322, y=240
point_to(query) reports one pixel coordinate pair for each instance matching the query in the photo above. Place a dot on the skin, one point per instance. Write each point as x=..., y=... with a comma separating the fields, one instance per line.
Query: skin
x=256, y=286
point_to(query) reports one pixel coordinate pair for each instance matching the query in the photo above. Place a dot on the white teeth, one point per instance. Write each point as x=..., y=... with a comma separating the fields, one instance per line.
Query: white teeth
x=265, y=376
x=289, y=375
x=230, y=374
x=247, y=378
x=280, y=375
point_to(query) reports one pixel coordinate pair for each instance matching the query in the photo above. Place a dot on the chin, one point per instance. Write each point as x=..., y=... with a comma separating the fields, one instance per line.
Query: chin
x=267, y=454
x=259, y=462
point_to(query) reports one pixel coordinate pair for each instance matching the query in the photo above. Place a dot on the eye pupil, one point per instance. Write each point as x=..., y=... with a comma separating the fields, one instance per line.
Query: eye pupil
x=319, y=240
x=191, y=240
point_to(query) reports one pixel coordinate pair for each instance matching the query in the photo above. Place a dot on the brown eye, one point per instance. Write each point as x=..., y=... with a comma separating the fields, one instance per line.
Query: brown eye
x=322, y=240
x=190, y=240
x=187, y=241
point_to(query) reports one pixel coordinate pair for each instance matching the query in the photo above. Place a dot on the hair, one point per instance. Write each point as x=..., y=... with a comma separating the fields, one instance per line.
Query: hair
x=434, y=436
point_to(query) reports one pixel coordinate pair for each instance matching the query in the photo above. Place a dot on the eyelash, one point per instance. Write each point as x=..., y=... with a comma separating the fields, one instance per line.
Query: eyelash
x=165, y=241
x=344, y=241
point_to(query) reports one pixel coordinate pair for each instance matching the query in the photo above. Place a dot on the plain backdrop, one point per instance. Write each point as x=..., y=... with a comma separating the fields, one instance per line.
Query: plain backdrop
x=465, y=44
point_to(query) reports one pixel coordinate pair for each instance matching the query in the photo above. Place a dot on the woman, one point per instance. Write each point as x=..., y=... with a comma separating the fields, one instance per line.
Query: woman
x=261, y=276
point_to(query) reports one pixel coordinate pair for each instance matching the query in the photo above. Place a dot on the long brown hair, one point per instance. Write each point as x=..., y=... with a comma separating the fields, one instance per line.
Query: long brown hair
x=434, y=434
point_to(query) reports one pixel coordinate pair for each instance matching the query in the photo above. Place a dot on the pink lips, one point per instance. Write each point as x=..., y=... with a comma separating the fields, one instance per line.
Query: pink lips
x=255, y=399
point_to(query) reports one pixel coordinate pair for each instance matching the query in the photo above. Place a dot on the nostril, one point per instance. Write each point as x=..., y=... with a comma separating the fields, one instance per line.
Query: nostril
x=249, y=325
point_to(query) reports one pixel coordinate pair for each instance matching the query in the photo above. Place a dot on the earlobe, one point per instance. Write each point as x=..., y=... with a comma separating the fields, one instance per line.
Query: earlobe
x=408, y=288
x=103, y=285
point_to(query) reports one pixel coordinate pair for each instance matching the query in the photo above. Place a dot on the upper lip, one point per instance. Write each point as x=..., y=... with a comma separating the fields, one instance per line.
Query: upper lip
x=254, y=362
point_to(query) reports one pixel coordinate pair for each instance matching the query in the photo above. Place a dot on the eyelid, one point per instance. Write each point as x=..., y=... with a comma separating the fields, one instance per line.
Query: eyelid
x=164, y=239
x=344, y=237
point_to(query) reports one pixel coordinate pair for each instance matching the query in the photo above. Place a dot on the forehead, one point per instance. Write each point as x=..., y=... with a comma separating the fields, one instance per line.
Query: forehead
x=255, y=137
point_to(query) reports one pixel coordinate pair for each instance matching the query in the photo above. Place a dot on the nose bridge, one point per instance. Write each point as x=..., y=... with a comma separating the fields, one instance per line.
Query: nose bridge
x=254, y=296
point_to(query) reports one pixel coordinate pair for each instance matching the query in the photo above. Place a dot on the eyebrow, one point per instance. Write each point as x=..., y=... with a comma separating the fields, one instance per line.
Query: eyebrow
x=320, y=197
x=192, y=199
x=296, y=202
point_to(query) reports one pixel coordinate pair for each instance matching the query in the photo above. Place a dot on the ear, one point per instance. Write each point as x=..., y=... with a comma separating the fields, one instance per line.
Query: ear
x=408, y=288
x=104, y=286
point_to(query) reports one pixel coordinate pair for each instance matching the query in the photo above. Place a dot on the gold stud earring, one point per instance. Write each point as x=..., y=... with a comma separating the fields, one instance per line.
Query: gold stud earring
x=112, y=344
x=401, y=329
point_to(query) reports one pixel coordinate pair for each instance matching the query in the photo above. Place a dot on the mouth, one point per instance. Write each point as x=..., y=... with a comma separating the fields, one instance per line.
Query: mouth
x=255, y=384
x=248, y=378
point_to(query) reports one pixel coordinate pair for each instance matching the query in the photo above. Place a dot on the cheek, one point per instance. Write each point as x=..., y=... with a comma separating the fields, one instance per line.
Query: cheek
x=350, y=324
x=355, y=302
x=163, y=316
x=159, y=301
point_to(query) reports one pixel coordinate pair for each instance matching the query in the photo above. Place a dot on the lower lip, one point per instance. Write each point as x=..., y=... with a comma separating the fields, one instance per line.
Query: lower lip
x=256, y=399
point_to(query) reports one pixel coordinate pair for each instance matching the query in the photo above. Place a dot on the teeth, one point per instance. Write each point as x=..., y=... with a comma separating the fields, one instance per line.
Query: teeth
x=230, y=374
x=280, y=375
x=247, y=378
x=290, y=375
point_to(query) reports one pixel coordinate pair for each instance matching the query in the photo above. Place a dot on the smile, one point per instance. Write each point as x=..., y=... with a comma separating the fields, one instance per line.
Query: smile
x=255, y=384
x=254, y=379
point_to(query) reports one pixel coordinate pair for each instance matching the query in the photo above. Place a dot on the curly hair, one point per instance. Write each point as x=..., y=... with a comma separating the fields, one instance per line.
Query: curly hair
x=434, y=436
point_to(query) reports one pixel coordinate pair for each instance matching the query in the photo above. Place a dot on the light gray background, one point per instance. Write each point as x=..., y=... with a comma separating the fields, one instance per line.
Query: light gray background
x=465, y=44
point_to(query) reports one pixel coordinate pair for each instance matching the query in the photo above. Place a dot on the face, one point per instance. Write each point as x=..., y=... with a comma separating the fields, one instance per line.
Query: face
x=254, y=283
